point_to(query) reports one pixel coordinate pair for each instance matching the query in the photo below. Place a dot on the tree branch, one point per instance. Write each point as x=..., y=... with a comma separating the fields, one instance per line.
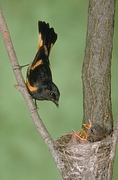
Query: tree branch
x=22, y=88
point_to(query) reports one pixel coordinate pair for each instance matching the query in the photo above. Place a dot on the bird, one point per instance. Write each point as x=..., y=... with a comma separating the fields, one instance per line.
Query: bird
x=39, y=80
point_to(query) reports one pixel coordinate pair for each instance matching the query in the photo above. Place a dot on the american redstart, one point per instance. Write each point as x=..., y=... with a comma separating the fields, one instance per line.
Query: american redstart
x=39, y=77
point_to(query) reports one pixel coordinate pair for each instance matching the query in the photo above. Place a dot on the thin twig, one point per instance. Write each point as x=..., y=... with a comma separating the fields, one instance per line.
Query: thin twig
x=115, y=139
x=22, y=88
x=113, y=150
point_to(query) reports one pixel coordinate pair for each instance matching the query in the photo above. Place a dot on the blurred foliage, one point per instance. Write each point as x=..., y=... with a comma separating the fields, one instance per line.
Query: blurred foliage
x=23, y=154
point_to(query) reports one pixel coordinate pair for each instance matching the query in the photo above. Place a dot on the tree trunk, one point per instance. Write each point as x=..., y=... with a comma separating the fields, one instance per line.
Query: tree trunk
x=92, y=159
x=96, y=73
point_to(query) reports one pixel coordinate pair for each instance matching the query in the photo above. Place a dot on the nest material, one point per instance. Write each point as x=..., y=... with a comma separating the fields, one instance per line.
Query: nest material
x=84, y=161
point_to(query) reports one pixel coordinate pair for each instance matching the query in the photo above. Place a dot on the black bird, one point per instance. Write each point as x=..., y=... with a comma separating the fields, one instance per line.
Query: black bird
x=39, y=77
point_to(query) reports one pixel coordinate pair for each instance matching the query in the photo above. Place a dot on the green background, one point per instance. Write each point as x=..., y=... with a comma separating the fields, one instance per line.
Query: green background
x=23, y=154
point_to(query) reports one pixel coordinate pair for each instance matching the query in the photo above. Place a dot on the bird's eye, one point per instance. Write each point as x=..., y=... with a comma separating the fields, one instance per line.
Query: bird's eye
x=51, y=93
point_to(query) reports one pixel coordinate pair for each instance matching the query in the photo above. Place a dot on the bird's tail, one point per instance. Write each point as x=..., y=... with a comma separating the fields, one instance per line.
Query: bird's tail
x=47, y=36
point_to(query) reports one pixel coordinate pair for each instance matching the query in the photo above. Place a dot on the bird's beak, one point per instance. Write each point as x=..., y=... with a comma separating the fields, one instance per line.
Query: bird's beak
x=56, y=102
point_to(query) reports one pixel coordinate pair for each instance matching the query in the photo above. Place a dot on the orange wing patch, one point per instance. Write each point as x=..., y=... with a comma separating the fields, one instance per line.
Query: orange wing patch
x=38, y=63
x=31, y=88
x=40, y=41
